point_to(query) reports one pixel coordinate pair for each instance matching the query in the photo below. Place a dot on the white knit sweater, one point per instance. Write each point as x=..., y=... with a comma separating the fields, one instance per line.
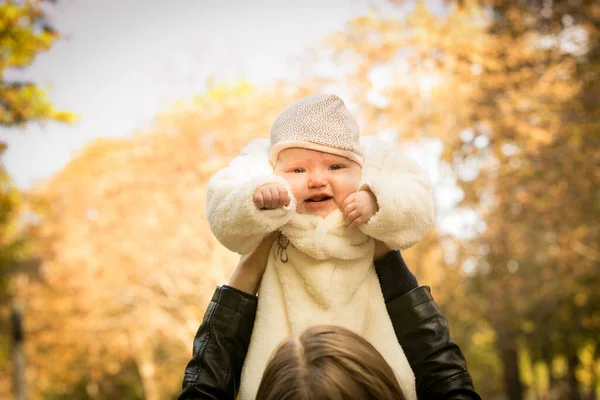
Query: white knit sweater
x=329, y=275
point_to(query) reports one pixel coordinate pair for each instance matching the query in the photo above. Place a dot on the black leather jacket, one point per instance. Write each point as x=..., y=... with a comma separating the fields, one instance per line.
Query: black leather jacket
x=221, y=344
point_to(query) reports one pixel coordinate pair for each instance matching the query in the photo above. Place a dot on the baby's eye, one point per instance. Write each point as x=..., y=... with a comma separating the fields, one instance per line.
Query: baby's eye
x=298, y=170
x=336, y=166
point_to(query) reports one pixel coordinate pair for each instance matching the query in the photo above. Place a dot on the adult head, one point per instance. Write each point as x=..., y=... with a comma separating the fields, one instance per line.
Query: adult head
x=328, y=362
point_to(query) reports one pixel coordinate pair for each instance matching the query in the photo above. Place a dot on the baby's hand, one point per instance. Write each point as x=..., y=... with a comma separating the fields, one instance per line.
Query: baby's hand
x=358, y=208
x=271, y=196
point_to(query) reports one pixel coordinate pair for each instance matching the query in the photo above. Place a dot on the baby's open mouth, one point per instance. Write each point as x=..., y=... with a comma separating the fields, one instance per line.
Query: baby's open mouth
x=318, y=199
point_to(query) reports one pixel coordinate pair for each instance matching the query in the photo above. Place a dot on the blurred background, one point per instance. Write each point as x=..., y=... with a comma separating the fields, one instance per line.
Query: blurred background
x=114, y=113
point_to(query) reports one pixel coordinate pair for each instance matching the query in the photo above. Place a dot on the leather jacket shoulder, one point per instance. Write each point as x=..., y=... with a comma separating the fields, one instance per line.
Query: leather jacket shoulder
x=220, y=347
x=438, y=363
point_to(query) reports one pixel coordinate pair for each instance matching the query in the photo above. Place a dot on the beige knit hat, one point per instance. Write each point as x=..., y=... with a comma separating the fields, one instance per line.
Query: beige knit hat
x=320, y=122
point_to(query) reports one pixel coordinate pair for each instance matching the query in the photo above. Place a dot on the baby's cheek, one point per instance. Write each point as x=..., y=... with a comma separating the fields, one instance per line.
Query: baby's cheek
x=351, y=187
x=293, y=184
x=350, y=183
x=356, y=180
x=284, y=176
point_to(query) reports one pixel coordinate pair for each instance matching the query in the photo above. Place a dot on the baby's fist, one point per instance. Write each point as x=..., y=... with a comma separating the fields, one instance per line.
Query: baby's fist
x=358, y=208
x=271, y=196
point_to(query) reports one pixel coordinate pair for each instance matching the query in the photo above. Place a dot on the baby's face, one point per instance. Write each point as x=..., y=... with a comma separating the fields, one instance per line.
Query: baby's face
x=320, y=181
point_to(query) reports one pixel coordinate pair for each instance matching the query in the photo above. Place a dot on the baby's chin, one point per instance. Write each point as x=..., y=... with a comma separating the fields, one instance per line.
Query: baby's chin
x=318, y=209
x=321, y=214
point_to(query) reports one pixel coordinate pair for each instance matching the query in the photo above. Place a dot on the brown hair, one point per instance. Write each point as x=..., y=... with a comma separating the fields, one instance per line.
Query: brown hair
x=328, y=362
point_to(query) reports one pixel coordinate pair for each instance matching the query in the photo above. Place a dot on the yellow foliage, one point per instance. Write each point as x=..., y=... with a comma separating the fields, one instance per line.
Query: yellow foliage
x=24, y=33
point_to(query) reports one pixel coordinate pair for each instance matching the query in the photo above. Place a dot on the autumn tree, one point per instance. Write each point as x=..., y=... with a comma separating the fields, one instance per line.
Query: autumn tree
x=535, y=188
x=24, y=33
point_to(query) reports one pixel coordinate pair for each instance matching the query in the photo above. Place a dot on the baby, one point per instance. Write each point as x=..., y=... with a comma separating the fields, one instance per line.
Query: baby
x=330, y=195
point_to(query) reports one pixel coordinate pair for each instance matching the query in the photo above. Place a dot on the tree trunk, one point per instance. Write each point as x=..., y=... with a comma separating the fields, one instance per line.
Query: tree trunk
x=147, y=372
x=594, y=373
x=548, y=358
x=573, y=363
x=144, y=357
x=510, y=363
x=19, y=362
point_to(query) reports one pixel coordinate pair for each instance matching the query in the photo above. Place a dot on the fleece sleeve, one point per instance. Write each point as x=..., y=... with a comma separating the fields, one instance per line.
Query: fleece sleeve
x=232, y=215
x=404, y=196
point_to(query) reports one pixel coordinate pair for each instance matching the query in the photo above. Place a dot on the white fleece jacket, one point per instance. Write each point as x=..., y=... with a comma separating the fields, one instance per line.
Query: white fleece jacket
x=328, y=276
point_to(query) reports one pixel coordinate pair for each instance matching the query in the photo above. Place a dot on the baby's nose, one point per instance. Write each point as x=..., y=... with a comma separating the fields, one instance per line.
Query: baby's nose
x=317, y=180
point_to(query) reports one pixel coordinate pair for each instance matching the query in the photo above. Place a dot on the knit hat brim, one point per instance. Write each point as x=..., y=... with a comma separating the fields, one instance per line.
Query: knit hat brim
x=279, y=147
